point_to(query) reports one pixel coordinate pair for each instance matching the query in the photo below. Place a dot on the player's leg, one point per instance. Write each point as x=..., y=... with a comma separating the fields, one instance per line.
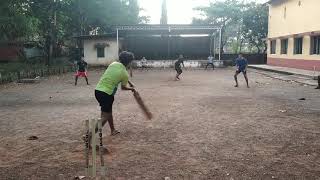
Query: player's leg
x=177, y=76
x=179, y=72
x=207, y=66
x=212, y=66
x=236, y=78
x=76, y=78
x=106, y=102
x=246, y=78
x=87, y=80
x=318, y=83
x=86, y=77
x=108, y=117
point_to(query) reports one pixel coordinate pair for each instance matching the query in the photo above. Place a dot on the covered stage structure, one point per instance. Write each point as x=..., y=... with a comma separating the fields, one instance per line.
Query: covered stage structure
x=168, y=41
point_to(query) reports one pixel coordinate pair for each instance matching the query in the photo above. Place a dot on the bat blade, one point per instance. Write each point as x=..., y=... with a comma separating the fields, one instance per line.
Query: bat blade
x=142, y=105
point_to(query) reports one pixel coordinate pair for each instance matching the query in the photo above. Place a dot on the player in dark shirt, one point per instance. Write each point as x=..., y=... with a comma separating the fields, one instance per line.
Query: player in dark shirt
x=177, y=66
x=82, y=71
x=241, y=64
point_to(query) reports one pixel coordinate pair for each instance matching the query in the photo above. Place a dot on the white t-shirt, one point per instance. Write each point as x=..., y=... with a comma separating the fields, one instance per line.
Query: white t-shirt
x=210, y=59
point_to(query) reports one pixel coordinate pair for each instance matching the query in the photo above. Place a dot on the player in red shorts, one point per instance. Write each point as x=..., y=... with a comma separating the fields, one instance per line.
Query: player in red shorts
x=82, y=71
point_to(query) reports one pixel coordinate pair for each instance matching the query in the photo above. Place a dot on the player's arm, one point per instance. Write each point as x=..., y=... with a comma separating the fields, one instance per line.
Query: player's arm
x=126, y=88
x=86, y=66
x=124, y=84
x=77, y=66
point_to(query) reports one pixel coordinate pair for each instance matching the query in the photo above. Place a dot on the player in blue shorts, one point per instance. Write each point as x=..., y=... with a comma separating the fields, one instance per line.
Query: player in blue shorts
x=241, y=64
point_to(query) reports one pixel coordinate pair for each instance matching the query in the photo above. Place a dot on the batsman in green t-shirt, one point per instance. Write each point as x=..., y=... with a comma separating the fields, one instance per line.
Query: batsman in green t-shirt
x=115, y=74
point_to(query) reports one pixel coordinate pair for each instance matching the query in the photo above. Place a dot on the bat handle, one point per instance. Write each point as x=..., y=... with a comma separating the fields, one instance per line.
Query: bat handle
x=131, y=84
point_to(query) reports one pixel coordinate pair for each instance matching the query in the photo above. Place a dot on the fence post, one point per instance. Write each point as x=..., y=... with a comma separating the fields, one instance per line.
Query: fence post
x=18, y=75
x=10, y=78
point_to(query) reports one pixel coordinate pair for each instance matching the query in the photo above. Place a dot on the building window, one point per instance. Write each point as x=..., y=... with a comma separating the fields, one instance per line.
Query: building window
x=273, y=47
x=100, y=52
x=315, y=45
x=284, y=46
x=298, y=42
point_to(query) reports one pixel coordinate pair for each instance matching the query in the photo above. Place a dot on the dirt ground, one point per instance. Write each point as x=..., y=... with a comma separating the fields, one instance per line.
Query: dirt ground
x=203, y=128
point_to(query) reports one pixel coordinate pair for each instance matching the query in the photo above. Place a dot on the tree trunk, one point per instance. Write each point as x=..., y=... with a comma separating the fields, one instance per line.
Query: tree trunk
x=240, y=46
x=48, y=49
x=265, y=48
x=222, y=43
x=259, y=50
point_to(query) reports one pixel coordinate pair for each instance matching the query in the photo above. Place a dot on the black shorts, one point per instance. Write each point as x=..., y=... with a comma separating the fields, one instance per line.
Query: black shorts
x=179, y=70
x=105, y=101
x=241, y=71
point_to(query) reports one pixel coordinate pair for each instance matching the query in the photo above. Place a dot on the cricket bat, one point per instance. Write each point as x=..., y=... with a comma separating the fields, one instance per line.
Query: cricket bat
x=141, y=103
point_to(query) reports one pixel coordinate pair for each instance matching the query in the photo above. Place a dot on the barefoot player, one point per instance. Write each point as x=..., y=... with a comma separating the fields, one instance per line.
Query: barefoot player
x=177, y=66
x=241, y=64
x=115, y=74
x=81, y=71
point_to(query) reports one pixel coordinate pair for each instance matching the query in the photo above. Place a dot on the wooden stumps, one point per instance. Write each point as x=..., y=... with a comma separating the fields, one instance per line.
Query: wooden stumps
x=90, y=140
x=102, y=168
x=87, y=172
x=93, y=147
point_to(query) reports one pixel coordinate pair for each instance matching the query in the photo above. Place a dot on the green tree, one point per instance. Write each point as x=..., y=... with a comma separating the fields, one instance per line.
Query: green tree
x=241, y=23
x=22, y=18
x=54, y=22
x=15, y=23
x=255, y=26
x=223, y=14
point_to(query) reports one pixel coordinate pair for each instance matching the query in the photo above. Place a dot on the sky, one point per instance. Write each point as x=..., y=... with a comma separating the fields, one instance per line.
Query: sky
x=179, y=11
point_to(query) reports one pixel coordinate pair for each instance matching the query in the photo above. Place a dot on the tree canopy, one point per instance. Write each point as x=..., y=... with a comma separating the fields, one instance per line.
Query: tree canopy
x=34, y=19
x=241, y=23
